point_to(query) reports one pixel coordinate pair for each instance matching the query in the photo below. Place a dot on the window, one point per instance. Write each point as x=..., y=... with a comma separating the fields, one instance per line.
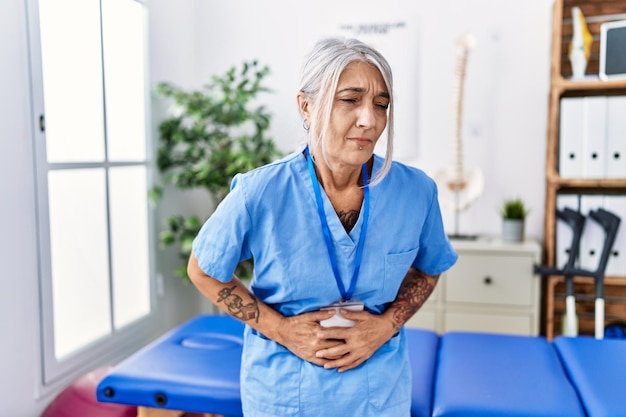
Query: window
x=90, y=98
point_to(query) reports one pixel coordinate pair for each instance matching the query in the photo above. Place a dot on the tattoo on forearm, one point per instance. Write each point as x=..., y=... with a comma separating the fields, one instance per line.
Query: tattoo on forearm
x=236, y=307
x=414, y=291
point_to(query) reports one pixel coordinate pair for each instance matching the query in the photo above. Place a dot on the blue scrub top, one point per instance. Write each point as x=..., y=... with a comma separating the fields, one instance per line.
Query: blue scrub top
x=271, y=215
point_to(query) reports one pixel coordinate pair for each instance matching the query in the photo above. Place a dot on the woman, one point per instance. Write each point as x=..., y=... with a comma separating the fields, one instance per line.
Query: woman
x=339, y=237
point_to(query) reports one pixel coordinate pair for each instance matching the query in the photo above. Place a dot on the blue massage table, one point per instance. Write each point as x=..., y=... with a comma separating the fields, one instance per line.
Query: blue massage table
x=597, y=369
x=195, y=368
x=192, y=368
x=423, y=347
x=489, y=375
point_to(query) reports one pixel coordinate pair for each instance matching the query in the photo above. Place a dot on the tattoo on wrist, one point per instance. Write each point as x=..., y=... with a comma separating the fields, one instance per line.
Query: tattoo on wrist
x=414, y=291
x=236, y=307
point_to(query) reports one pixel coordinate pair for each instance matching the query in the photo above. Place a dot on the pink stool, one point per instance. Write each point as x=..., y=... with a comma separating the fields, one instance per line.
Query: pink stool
x=79, y=400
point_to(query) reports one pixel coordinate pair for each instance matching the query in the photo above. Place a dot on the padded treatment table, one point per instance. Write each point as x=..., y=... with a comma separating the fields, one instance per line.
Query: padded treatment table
x=597, y=368
x=423, y=346
x=193, y=368
x=489, y=375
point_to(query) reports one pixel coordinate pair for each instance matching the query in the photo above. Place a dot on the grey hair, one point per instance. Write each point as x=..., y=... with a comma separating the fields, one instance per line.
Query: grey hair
x=320, y=75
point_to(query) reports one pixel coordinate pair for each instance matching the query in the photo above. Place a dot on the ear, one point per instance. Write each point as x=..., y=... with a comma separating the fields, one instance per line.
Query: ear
x=303, y=105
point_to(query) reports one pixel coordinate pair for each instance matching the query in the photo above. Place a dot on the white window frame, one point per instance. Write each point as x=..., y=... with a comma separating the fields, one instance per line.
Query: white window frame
x=120, y=342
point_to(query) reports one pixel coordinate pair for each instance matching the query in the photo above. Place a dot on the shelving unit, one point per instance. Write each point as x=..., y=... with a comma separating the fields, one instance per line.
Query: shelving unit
x=596, y=12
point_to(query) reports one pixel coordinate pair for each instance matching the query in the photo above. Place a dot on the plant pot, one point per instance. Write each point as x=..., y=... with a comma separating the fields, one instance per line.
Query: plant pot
x=513, y=230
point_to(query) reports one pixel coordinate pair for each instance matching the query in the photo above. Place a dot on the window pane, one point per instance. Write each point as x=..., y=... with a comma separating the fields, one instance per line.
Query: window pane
x=72, y=79
x=129, y=243
x=79, y=257
x=123, y=37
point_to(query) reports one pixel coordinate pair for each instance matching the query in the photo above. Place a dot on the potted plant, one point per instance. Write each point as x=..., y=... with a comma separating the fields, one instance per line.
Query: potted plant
x=513, y=212
x=213, y=134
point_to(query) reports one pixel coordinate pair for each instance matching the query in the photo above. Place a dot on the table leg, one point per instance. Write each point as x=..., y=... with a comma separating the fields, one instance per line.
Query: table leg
x=161, y=412
x=157, y=412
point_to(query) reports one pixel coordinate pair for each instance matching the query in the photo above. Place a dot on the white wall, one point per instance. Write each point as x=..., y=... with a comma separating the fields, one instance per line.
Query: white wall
x=18, y=277
x=506, y=108
x=506, y=87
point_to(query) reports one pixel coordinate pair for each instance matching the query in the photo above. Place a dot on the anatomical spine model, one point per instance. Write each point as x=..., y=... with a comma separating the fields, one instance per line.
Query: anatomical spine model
x=458, y=187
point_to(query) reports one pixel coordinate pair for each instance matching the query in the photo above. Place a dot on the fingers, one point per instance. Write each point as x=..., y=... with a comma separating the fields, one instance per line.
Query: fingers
x=310, y=354
x=355, y=315
x=345, y=362
x=332, y=353
x=361, y=341
x=320, y=315
x=341, y=348
x=336, y=351
x=316, y=316
x=344, y=357
x=325, y=314
x=300, y=334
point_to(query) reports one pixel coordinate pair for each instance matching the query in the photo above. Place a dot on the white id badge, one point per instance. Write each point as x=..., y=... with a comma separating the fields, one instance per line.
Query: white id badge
x=338, y=320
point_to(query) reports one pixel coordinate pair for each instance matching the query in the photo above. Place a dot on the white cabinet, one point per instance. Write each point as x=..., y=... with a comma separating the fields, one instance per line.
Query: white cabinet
x=491, y=288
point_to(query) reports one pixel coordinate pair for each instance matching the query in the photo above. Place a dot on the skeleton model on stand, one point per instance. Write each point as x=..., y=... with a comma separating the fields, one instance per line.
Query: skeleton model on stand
x=458, y=188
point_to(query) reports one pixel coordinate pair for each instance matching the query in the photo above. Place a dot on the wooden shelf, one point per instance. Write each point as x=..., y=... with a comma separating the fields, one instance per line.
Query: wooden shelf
x=610, y=87
x=570, y=88
x=596, y=12
x=584, y=288
x=600, y=185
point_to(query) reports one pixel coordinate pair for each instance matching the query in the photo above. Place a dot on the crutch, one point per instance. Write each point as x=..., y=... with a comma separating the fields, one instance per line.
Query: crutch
x=577, y=222
x=610, y=224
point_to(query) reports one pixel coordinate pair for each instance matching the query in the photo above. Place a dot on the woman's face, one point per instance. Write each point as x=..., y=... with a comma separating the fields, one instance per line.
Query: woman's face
x=359, y=115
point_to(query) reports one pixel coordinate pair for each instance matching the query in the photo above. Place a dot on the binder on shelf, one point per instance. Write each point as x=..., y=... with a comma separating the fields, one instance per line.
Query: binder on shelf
x=616, y=137
x=571, y=137
x=594, y=137
x=616, y=265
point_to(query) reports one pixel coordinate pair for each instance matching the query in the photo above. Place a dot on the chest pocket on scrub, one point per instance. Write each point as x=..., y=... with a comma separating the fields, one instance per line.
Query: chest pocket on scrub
x=396, y=266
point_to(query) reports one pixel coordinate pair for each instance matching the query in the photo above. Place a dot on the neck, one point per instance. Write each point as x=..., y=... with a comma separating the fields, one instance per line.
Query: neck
x=341, y=177
x=343, y=189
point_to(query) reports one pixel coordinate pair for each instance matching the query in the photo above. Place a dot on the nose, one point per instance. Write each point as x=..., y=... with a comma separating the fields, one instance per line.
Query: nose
x=366, y=118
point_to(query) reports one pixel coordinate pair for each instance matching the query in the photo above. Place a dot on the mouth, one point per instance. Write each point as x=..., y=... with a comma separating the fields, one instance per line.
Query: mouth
x=361, y=142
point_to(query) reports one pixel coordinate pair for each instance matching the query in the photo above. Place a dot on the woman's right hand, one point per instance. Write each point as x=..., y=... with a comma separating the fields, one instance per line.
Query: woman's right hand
x=300, y=334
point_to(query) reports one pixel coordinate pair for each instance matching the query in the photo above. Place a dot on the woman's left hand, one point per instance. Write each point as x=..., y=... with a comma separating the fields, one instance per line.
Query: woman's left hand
x=369, y=333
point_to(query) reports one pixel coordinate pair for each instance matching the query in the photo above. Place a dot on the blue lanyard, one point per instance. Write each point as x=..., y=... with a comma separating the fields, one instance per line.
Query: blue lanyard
x=345, y=296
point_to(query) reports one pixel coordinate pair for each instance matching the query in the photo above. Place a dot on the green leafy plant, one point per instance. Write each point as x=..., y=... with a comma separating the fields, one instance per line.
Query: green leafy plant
x=514, y=209
x=213, y=134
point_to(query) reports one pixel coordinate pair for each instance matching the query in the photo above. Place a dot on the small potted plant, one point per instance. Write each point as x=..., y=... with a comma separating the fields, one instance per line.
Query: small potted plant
x=513, y=214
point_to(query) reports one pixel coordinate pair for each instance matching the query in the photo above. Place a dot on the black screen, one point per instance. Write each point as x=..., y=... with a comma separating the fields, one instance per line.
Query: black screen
x=615, y=57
